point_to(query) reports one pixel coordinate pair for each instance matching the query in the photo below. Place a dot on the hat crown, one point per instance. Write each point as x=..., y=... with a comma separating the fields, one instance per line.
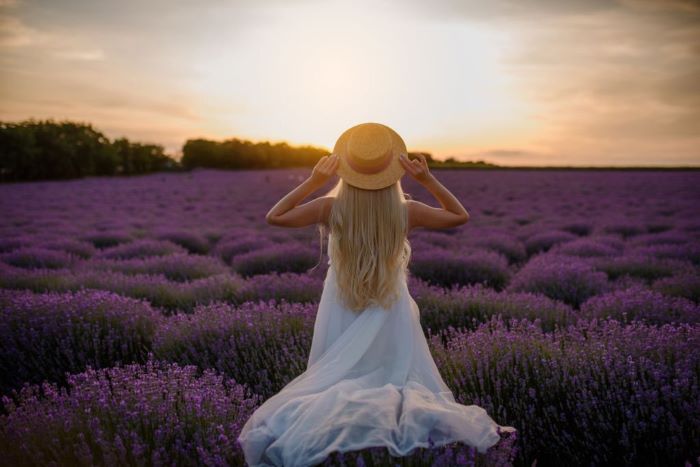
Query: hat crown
x=369, y=155
x=369, y=142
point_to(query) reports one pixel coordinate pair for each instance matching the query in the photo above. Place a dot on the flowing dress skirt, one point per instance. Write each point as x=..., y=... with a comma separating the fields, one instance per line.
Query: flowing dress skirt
x=370, y=381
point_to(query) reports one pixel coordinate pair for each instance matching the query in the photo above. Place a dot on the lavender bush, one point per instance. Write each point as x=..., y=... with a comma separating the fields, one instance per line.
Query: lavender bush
x=644, y=266
x=685, y=285
x=689, y=251
x=560, y=277
x=153, y=414
x=624, y=228
x=543, y=241
x=288, y=286
x=38, y=258
x=276, y=258
x=264, y=345
x=107, y=239
x=502, y=243
x=156, y=289
x=445, y=268
x=590, y=247
x=595, y=393
x=76, y=248
x=666, y=237
x=640, y=303
x=191, y=241
x=229, y=248
x=177, y=267
x=578, y=228
x=143, y=248
x=8, y=244
x=469, y=306
x=43, y=336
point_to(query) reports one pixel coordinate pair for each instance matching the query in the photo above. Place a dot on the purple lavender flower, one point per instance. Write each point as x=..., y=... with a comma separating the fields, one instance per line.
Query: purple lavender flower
x=640, y=303
x=36, y=258
x=107, y=239
x=291, y=257
x=42, y=336
x=543, y=241
x=602, y=378
x=191, y=241
x=469, y=306
x=445, y=268
x=176, y=267
x=640, y=265
x=685, y=285
x=157, y=413
x=590, y=246
x=288, y=286
x=142, y=248
x=560, y=277
x=264, y=345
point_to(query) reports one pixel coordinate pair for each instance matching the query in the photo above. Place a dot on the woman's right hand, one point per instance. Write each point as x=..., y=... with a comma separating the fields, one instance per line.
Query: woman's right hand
x=417, y=169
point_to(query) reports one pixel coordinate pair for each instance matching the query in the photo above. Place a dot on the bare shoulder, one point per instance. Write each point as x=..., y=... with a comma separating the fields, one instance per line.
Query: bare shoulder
x=423, y=215
x=415, y=211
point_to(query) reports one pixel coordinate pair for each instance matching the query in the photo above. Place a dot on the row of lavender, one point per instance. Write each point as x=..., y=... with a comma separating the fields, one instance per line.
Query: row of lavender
x=638, y=381
x=44, y=335
x=175, y=241
x=163, y=272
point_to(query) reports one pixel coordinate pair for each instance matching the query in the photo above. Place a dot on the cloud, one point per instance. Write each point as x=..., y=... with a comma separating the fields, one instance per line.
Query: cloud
x=16, y=36
x=80, y=55
x=14, y=33
x=621, y=77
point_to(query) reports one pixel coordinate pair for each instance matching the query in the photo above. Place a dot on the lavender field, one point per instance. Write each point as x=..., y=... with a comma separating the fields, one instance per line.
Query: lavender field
x=144, y=318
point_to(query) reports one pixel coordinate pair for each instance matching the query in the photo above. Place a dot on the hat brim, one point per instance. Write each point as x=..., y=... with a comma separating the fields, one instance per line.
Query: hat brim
x=393, y=172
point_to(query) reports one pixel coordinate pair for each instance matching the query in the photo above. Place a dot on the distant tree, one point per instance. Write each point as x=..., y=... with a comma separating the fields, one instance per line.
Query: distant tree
x=235, y=153
x=138, y=158
x=34, y=150
x=46, y=149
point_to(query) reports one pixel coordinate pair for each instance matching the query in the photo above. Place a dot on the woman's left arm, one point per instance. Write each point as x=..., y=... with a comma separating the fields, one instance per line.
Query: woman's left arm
x=286, y=213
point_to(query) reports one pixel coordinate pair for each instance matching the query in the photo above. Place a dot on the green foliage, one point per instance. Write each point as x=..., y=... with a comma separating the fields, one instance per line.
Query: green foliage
x=241, y=154
x=45, y=149
x=138, y=158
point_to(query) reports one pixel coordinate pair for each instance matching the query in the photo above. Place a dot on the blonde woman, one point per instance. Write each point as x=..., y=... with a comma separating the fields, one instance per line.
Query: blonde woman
x=370, y=380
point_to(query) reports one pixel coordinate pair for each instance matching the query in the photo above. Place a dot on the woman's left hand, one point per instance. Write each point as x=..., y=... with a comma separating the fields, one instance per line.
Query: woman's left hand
x=325, y=168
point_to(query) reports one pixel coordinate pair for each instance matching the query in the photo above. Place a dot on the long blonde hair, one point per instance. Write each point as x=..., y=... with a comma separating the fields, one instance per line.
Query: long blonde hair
x=369, y=243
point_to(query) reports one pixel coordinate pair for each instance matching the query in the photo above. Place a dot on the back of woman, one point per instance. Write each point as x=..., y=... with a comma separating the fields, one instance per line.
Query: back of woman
x=370, y=379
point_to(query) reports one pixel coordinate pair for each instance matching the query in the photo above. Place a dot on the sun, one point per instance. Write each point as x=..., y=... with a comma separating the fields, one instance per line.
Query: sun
x=304, y=79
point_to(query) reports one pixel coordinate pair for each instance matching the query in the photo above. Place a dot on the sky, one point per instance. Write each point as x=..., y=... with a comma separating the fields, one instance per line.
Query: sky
x=513, y=82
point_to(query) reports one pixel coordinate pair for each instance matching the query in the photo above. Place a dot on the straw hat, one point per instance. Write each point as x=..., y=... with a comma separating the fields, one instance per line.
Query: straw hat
x=369, y=156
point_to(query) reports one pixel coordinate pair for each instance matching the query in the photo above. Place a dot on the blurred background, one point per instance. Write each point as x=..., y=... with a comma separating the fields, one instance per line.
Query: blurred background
x=526, y=83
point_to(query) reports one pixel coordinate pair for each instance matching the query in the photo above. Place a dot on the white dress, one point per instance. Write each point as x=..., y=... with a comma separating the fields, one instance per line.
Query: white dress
x=370, y=381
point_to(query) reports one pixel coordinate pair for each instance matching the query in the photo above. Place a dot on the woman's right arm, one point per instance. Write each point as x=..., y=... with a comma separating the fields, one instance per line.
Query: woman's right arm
x=452, y=213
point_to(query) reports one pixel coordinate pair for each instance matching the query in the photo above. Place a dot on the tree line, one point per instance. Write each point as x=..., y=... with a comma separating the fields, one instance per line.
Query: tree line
x=46, y=149
x=235, y=153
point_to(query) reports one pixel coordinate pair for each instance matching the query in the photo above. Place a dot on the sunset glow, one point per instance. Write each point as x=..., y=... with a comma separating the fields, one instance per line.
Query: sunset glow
x=590, y=84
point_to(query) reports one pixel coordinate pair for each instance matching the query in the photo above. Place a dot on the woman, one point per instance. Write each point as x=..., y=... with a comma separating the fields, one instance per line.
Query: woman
x=370, y=380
